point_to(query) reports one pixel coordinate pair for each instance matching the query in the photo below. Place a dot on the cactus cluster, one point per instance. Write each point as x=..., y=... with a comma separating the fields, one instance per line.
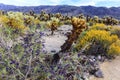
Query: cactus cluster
x=53, y=24
x=108, y=20
x=78, y=26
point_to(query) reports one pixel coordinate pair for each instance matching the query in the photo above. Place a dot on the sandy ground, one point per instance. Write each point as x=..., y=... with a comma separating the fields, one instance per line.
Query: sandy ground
x=53, y=42
x=111, y=69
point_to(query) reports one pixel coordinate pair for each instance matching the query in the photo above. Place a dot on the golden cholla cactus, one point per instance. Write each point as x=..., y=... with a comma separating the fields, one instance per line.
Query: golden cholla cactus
x=115, y=22
x=78, y=23
x=58, y=15
x=2, y=12
x=53, y=24
x=42, y=12
x=16, y=23
x=78, y=26
x=36, y=21
x=13, y=20
x=95, y=19
x=28, y=20
x=81, y=16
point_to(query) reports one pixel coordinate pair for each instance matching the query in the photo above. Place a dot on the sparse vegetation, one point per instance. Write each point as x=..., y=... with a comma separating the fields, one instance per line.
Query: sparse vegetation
x=22, y=55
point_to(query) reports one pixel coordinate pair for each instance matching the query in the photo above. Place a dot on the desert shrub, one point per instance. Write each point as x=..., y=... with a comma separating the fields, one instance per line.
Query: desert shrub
x=19, y=21
x=20, y=60
x=11, y=33
x=4, y=19
x=13, y=22
x=100, y=41
x=26, y=61
x=114, y=48
x=19, y=56
x=115, y=30
x=100, y=26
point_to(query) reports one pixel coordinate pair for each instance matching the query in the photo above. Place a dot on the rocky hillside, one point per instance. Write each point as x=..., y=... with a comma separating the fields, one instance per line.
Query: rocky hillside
x=67, y=10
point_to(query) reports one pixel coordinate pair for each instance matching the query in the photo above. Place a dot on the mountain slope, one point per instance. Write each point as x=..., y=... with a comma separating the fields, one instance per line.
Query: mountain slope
x=66, y=9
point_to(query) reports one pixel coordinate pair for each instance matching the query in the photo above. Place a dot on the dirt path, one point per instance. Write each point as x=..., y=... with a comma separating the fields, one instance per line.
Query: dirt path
x=111, y=70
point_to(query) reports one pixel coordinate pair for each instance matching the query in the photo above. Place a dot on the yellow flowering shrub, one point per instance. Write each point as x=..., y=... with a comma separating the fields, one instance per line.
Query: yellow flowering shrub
x=114, y=49
x=100, y=26
x=36, y=21
x=100, y=38
x=97, y=35
x=12, y=21
x=3, y=19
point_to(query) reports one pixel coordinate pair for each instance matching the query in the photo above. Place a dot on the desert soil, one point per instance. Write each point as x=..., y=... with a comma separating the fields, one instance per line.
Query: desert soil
x=53, y=42
x=111, y=70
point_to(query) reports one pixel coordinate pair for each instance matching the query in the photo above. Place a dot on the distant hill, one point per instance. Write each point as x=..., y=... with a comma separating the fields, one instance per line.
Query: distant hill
x=66, y=9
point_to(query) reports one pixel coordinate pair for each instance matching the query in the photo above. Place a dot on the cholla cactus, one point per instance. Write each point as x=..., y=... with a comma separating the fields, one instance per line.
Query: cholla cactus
x=44, y=16
x=95, y=19
x=2, y=12
x=31, y=12
x=13, y=20
x=78, y=26
x=58, y=15
x=42, y=12
x=81, y=16
x=28, y=20
x=110, y=21
x=78, y=23
x=115, y=22
x=88, y=18
x=53, y=24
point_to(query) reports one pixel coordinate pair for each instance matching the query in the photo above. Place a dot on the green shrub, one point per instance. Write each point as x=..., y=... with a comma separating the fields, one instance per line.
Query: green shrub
x=115, y=30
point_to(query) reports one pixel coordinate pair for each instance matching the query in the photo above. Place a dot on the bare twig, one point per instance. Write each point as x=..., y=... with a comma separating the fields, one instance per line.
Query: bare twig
x=83, y=49
x=29, y=68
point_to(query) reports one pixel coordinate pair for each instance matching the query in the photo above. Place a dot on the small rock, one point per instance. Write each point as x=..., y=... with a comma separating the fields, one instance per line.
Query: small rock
x=53, y=51
x=102, y=59
x=91, y=62
x=92, y=71
x=99, y=74
x=99, y=57
x=86, y=75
